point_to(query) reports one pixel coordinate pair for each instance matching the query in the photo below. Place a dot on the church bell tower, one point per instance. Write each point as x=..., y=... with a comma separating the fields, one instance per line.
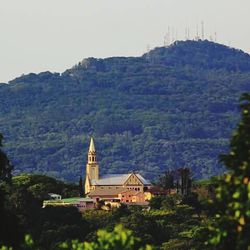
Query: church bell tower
x=92, y=167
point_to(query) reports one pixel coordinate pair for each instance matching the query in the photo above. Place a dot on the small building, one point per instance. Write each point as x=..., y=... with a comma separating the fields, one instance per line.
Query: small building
x=81, y=203
x=116, y=196
x=84, y=204
x=158, y=191
x=53, y=196
x=138, y=198
x=108, y=195
x=129, y=196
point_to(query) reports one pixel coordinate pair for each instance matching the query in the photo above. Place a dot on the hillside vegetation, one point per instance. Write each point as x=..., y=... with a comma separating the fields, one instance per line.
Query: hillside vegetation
x=169, y=108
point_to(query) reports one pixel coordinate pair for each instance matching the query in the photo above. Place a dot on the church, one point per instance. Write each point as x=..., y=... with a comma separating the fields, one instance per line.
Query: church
x=111, y=183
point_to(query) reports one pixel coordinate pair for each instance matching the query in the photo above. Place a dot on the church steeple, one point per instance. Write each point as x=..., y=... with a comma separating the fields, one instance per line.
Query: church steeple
x=92, y=152
x=92, y=167
x=91, y=145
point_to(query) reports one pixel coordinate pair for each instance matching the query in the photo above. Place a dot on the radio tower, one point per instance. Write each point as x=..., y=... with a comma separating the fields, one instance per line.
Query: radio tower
x=147, y=53
x=148, y=48
x=176, y=34
x=215, y=36
x=197, y=33
x=167, y=39
x=202, y=30
x=173, y=33
x=165, y=42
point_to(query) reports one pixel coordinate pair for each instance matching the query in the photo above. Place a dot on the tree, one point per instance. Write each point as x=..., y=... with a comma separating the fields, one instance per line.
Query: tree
x=155, y=202
x=142, y=226
x=5, y=165
x=10, y=231
x=193, y=201
x=81, y=190
x=184, y=182
x=167, y=180
x=231, y=226
x=59, y=224
x=119, y=212
x=120, y=238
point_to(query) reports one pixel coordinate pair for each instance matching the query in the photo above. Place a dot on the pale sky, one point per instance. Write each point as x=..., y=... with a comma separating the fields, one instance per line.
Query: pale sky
x=54, y=35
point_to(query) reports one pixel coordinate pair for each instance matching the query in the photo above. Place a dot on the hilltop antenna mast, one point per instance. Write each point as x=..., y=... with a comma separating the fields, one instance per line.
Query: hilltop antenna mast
x=147, y=53
x=188, y=33
x=169, y=35
x=215, y=36
x=197, y=33
x=173, y=38
x=166, y=40
x=148, y=48
x=202, y=30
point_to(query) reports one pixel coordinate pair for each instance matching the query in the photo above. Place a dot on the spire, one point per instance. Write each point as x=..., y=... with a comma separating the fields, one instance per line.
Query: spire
x=92, y=168
x=91, y=146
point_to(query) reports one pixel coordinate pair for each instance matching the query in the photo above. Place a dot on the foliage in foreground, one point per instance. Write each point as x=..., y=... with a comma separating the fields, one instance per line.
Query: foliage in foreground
x=231, y=226
x=119, y=239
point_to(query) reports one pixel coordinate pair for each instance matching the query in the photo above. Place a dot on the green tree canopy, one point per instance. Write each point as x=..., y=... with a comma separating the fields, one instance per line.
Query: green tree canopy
x=231, y=227
x=119, y=239
x=5, y=165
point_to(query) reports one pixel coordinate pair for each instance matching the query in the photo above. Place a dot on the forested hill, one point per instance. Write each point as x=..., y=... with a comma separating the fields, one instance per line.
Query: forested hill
x=169, y=108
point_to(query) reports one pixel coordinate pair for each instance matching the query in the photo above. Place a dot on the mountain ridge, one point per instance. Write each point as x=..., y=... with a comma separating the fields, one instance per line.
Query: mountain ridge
x=169, y=108
x=157, y=52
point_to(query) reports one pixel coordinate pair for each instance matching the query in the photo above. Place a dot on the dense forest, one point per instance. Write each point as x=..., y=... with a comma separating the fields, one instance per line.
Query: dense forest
x=172, y=107
x=214, y=214
x=167, y=224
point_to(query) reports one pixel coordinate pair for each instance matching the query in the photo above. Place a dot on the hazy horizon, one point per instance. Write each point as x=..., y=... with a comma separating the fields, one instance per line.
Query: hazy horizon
x=55, y=35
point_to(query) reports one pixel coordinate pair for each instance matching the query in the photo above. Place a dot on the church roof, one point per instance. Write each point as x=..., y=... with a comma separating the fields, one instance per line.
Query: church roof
x=143, y=180
x=103, y=192
x=116, y=179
